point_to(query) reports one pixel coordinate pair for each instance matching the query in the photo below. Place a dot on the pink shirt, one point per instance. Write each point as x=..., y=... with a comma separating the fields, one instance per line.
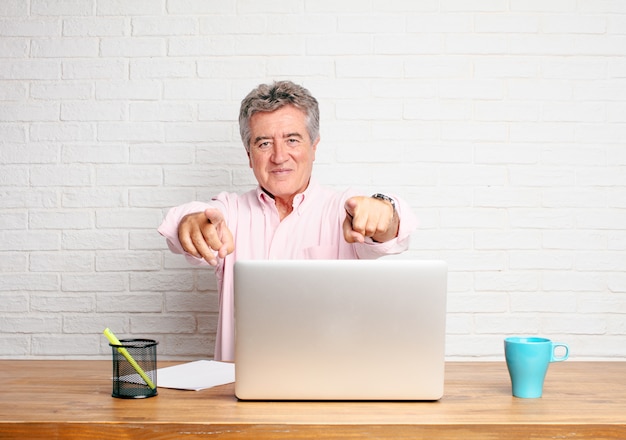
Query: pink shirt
x=312, y=231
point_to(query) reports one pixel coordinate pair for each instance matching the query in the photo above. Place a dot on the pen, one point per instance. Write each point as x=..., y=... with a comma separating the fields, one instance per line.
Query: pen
x=114, y=341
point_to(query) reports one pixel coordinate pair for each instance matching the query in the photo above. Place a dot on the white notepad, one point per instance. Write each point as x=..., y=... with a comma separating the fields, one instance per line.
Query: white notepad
x=197, y=375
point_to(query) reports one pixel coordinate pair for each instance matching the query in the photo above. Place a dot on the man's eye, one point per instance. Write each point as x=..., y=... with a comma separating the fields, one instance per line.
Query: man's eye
x=264, y=145
x=293, y=141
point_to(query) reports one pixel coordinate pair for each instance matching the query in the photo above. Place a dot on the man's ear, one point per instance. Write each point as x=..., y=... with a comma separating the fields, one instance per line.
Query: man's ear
x=314, y=146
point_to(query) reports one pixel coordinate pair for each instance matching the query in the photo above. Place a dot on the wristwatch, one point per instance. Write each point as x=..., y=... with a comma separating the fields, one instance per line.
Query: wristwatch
x=387, y=199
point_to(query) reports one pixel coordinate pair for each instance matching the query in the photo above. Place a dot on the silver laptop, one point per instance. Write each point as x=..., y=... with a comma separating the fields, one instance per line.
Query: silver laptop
x=340, y=329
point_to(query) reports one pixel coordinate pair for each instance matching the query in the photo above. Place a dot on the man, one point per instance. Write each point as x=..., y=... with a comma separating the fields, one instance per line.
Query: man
x=289, y=215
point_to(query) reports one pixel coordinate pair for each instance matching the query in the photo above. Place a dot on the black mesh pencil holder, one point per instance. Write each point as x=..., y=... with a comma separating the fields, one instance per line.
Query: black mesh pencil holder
x=134, y=368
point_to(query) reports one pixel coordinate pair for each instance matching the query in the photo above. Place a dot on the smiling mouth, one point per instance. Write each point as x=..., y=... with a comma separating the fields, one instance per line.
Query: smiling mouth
x=281, y=171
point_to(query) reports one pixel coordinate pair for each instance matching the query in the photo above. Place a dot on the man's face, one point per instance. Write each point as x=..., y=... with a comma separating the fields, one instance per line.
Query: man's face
x=281, y=153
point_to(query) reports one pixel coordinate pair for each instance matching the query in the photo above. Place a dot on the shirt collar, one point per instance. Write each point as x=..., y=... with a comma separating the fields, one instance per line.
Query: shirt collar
x=266, y=198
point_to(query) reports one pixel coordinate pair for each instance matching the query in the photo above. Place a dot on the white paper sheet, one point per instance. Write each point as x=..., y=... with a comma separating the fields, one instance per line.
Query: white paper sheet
x=196, y=375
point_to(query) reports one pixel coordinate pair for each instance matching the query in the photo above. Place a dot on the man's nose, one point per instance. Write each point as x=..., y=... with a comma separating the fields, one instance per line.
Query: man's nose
x=279, y=153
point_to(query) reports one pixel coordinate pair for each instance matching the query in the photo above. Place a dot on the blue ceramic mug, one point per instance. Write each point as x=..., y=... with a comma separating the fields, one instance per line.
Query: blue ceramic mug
x=527, y=359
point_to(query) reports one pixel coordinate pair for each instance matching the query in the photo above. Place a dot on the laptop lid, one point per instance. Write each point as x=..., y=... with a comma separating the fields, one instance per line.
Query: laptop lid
x=340, y=329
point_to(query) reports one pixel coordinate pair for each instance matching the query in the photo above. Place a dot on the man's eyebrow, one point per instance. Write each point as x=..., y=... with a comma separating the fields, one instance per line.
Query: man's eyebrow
x=261, y=138
x=295, y=134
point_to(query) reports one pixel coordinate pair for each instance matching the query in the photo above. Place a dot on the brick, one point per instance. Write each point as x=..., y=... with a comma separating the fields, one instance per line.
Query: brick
x=195, y=132
x=129, y=175
x=574, y=239
x=177, y=281
x=9, y=262
x=124, y=8
x=94, y=27
x=62, y=7
x=14, y=48
x=16, y=346
x=137, y=303
x=28, y=198
x=64, y=48
x=147, y=240
x=187, y=345
x=101, y=154
x=169, y=325
x=127, y=261
x=152, y=198
x=278, y=6
x=196, y=89
x=134, y=90
x=159, y=111
x=504, y=197
x=276, y=66
x=541, y=260
x=76, y=175
x=458, y=324
x=207, y=323
x=130, y=132
x=61, y=262
x=13, y=132
x=68, y=131
x=31, y=69
x=109, y=69
x=12, y=91
x=13, y=302
x=360, y=44
x=476, y=261
x=579, y=68
x=13, y=176
x=132, y=47
x=191, y=302
x=65, y=345
x=94, y=282
x=513, y=239
x=13, y=8
x=93, y=240
x=93, y=198
x=15, y=240
x=60, y=302
x=485, y=44
x=95, y=323
x=571, y=281
x=67, y=219
x=128, y=218
x=162, y=68
x=159, y=154
x=435, y=23
x=502, y=324
x=93, y=111
x=507, y=23
x=500, y=111
x=571, y=324
x=548, y=219
x=35, y=324
x=159, y=26
x=514, y=280
x=601, y=302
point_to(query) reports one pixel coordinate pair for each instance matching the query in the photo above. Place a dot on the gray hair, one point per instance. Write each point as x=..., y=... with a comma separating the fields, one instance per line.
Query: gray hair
x=270, y=97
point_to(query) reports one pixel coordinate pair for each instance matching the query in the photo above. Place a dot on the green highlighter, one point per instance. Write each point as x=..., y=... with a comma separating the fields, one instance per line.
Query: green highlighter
x=114, y=341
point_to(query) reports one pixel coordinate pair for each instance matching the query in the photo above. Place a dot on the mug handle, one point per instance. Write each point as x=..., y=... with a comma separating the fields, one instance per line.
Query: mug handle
x=554, y=358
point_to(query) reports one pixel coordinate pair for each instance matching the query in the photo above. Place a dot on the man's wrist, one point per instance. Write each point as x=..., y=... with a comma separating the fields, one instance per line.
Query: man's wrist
x=386, y=198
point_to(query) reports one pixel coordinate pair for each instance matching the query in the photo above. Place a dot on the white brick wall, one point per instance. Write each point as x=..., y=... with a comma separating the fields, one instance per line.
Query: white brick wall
x=502, y=122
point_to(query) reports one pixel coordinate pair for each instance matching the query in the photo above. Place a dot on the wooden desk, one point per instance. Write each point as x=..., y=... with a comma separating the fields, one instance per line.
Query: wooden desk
x=72, y=399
